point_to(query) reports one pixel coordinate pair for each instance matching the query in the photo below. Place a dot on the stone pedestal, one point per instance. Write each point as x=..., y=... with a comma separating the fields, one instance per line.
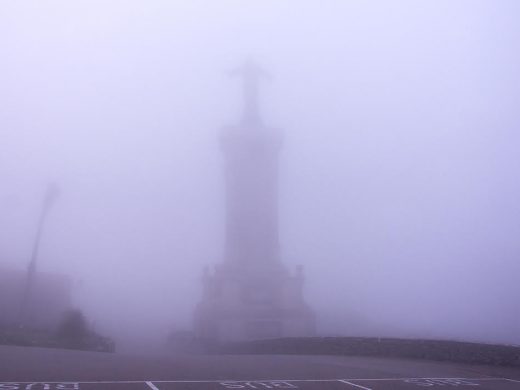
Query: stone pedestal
x=240, y=305
x=250, y=294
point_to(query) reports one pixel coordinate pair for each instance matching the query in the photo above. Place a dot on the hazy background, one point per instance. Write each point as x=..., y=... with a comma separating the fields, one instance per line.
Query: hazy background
x=400, y=180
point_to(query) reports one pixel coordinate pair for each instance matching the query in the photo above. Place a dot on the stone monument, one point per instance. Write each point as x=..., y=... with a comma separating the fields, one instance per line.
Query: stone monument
x=251, y=294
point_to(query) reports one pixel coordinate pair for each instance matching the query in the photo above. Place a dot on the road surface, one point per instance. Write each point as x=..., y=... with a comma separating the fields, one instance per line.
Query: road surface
x=48, y=369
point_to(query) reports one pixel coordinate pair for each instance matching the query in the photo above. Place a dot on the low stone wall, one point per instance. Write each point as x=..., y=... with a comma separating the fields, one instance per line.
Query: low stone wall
x=405, y=348
x=46, y=339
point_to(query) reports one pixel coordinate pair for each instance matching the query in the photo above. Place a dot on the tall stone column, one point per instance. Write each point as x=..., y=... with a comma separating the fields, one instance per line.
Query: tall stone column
x=251, y=294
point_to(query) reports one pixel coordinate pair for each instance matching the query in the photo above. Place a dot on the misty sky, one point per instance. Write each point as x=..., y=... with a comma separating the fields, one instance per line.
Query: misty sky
x=400, y=180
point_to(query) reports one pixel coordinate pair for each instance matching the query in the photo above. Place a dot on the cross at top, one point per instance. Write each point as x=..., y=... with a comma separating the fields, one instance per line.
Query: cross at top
x=251, y=75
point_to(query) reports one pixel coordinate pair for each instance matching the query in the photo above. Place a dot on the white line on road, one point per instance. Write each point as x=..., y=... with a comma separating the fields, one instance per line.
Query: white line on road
x=265, y=380
x=355, y=385
x=151, y=385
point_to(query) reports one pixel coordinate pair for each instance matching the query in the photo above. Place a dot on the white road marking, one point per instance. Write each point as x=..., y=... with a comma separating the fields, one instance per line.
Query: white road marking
x=487, y=378
x=262, y=385
x=355, y=385
x=150, y=382
x=441, y=382
x=151, y=385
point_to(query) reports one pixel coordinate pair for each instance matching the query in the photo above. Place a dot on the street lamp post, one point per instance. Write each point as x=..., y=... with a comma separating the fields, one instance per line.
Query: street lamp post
x=48, y=201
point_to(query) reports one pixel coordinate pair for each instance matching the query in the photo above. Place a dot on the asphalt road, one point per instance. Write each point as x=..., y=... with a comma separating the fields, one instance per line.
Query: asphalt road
x=48, y=369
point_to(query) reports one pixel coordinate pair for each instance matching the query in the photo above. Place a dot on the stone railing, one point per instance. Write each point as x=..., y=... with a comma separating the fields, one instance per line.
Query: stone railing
x=405, y=348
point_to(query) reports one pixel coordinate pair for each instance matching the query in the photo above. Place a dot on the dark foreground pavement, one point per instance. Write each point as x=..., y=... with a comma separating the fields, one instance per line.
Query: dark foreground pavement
x=46, y=369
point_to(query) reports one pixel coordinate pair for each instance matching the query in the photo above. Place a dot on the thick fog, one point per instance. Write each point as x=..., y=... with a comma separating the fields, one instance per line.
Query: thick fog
x=399, y=173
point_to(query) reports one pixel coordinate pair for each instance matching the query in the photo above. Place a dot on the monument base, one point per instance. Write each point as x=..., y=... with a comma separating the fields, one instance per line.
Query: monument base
x=239, y=305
